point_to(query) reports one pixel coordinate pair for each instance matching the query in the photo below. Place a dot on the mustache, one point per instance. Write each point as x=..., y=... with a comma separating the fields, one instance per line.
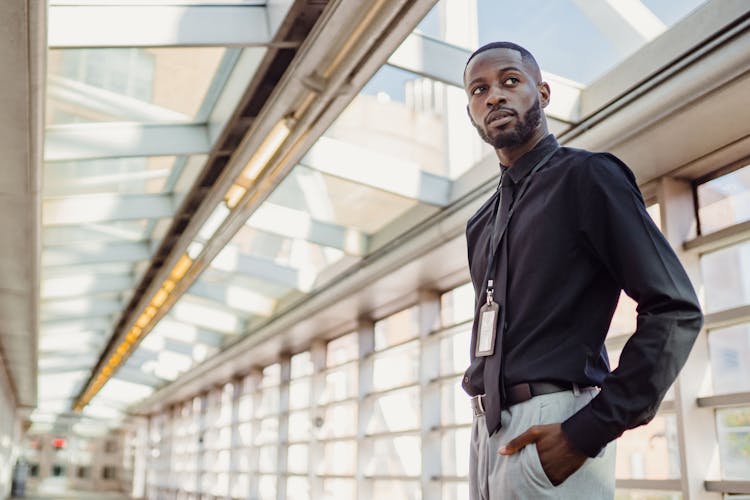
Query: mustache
x=498, y=112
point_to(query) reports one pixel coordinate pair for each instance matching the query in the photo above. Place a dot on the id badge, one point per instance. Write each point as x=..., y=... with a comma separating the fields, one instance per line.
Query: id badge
x=488, y=315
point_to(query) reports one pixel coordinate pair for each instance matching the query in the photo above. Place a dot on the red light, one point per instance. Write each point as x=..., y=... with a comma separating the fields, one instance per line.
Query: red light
x=58, y=443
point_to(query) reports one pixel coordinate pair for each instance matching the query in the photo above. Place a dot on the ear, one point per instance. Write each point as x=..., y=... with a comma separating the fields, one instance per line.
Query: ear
x=544, y=93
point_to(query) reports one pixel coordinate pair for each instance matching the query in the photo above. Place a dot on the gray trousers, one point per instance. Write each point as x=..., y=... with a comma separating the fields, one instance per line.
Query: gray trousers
x=520, y=476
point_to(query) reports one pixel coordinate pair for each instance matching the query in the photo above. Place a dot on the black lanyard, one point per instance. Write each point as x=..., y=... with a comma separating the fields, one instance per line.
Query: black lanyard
x=496, y=242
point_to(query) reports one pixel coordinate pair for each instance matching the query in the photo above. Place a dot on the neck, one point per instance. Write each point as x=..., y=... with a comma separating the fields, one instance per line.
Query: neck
x=509, y=156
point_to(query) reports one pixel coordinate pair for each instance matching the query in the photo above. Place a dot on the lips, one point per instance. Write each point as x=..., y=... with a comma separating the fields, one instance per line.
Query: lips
x=499, y=118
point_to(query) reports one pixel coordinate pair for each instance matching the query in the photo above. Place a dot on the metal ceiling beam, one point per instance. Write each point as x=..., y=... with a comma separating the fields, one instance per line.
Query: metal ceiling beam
x=291, y=223
x=106, y=207
x=233, y=298
x=76, y=26
x=85, y=284
x=136, y=376
x=79, y=308
x=444, y=62
x=108, y=103
x=93, y=253
x=257, y=267
x=118, y=140
x=90, y=233
x=627, y=25
x=377, y=170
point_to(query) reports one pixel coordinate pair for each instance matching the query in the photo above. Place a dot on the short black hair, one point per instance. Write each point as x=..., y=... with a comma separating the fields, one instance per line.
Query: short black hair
x=526, y=56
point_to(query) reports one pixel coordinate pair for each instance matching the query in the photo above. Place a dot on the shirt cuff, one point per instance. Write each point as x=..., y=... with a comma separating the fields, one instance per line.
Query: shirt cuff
x=587, y=433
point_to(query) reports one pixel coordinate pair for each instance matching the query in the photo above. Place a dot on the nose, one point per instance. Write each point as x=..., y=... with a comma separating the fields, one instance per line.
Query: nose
x=495, y=95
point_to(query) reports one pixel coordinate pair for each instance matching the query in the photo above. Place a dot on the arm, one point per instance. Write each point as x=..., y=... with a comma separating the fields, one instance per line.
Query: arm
x=618, y=231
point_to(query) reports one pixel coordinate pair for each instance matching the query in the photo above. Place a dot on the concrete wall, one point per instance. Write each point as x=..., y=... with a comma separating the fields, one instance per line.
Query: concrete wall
x=9, y=432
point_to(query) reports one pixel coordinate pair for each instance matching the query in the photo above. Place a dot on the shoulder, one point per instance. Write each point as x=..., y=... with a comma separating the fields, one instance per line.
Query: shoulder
x=590, y=169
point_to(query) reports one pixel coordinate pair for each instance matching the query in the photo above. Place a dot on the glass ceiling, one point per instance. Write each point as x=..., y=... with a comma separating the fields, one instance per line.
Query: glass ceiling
x=389, y=160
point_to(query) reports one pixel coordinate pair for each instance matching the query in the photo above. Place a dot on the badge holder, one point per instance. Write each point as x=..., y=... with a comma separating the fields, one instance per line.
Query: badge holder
x=488, y=316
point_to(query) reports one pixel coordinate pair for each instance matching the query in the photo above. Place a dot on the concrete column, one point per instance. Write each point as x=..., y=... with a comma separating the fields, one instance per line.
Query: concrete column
x=366, y=337
x=317, y=387
x=429, y=370
x=696, y=427
x=234, y=440
x=283, y=437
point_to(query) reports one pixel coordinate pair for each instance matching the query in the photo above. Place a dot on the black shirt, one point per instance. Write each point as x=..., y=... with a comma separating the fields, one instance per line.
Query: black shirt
x=578, y=236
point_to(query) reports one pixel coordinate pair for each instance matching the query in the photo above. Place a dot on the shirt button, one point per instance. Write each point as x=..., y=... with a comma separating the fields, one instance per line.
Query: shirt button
x=466, y=380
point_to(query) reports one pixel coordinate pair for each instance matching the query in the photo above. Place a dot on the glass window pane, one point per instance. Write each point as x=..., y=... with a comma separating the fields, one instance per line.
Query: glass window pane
x=341, y=383
x=456, y=491
x=454, y=452
x=726, y=277
x=396, y=328
x=455, y=404
x=301, y=365
x=396, y=490
x=733, y=425
x=434, y=134
x=729, y=349
x=393, y=456
x=300, y=393
x=113, y=175
x=394, y=411
x=299, y=425
x=570, y=39
x=129, y=84
x=650, y=451
x=327, y=198
x=336, y=489
x=338, y=420
x=396, y=367
x=457, y=305
x=342, y=349
x=297, y=458
x=724, y=201
x=339, y=458
x=454, y=351
x=298, y=488
x=647, y=495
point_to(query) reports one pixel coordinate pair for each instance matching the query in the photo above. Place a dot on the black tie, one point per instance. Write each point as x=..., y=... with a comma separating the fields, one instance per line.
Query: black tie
x=493, y=368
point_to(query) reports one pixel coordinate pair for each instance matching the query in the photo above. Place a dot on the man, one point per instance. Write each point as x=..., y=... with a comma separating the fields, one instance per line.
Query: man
x=549, y=253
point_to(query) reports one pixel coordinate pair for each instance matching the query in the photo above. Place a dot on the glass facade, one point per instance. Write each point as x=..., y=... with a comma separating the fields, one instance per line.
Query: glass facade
x=373, y=410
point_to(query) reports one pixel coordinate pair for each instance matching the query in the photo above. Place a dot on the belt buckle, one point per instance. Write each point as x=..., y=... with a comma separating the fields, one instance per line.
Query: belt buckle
x=477, y=405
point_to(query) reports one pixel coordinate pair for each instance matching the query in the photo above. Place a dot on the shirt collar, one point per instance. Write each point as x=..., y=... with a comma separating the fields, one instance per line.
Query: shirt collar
x=524, y=164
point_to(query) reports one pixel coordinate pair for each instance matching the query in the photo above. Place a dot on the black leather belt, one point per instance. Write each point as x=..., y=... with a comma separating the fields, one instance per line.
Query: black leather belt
x=523, y=392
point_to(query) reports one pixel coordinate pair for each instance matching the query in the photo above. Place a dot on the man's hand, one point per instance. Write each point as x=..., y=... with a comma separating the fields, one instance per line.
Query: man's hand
x=558, y=457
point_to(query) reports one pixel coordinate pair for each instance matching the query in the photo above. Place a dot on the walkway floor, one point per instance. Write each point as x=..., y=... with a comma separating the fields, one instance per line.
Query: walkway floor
x=56, y=489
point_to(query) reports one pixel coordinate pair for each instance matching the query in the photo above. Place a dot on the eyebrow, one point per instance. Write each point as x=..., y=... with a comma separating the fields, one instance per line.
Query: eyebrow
x=499, y=71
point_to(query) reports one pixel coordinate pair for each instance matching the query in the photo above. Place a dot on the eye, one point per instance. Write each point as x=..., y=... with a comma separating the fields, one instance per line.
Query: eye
x=478, y=90
x=511, y=81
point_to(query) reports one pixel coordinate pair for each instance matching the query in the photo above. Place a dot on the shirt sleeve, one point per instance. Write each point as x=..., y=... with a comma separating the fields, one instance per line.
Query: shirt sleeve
x=617, y=230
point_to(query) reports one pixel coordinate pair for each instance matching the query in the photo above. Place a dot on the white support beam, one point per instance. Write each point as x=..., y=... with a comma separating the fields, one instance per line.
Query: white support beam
x=70, y=327
x=79, y=308
x=171, y=327
x=92, y=253
x=136, y=376
x=230, y=260
x=444, y=62
x=628, y=24
x=116, y=140
x=292, y=223
x=85, y=284
x=105, y=207
x=236, y=298
x=106, y=102
x=157, y=25
x=91, y=233
x=377, y=170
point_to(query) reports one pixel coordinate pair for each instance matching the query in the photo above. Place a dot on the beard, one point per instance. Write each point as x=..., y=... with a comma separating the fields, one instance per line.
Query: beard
x=520, y=134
